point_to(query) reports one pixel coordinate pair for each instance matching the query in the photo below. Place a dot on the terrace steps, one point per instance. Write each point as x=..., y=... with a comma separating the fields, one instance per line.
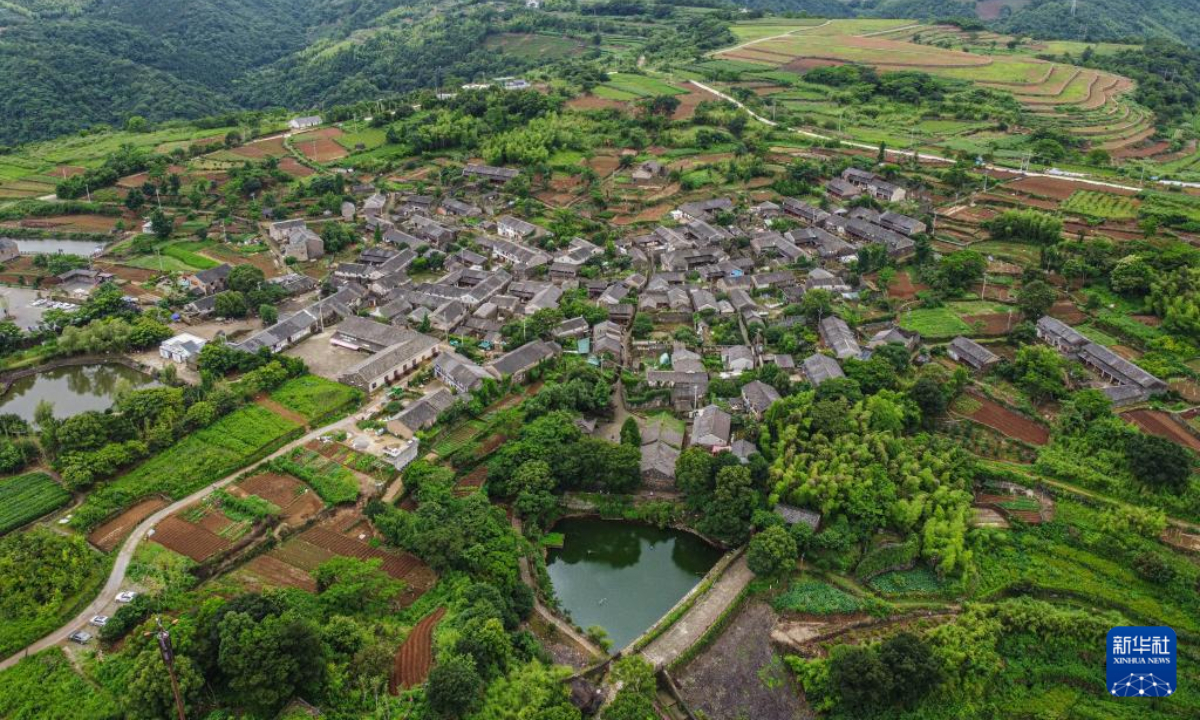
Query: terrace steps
x=1130, y=141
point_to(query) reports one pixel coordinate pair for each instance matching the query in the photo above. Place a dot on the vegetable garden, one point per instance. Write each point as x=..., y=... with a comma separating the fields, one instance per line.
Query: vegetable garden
x=25, y=498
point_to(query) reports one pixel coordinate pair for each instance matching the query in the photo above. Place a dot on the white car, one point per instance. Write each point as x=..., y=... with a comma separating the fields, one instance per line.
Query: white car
x=80, y=636
x=127, y=596
x=99, y=620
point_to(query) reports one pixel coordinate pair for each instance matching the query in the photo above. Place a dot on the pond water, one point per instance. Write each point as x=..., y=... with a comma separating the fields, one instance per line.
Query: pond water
x=83, y=248
x=624, y=576
x=73, y=390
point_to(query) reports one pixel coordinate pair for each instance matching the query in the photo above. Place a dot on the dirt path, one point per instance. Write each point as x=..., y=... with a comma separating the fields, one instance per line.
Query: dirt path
x=544, y=614
x=920, y=155
x=105, y=603
x=669, y=646
x=748, y=43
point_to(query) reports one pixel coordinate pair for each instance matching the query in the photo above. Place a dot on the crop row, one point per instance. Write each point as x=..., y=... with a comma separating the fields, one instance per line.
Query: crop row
x=27, y=497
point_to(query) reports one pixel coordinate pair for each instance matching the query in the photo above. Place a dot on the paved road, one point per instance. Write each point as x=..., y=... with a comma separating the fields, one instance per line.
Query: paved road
x=669, y=646
x=106, y=600
x=920, y=155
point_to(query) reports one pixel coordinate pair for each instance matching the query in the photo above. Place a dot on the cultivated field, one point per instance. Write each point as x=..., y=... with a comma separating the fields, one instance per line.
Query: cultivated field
x=109, y=535
x=194, y=541
x=414, y=659
x=1156, y=422
x=25, y=498
x=998, y=417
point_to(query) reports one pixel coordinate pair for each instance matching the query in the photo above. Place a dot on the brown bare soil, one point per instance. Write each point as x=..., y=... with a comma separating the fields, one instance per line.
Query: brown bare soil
x=591, y=102
x=604, y=165
x=187, y=539
x=320, y=145
x=293, y=167
x=1068, y=312
x=902, y=287
x=1061, y=189
x=414, y=659
x=398, y=565
x=740, y=675
x=803, y=65
x=261, y=149
x=1008, y=422
x=272, y=571
x=1156, y=422
x=73, y=223
x=279, y=490
x=471, y=482
x=994, y=324
x=688, y=103
x=285, y=412
x=109, y=535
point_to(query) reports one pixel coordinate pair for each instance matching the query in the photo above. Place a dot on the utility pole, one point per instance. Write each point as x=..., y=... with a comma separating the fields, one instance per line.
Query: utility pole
x=168, y=656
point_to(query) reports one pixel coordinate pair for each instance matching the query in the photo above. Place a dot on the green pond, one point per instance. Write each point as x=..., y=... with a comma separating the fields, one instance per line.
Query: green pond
x=72, y=390
x=624, y=576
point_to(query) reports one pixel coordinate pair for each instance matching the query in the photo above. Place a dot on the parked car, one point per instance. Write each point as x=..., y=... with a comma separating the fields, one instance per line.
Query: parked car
x=99, y=620
x=127, y=596
x=80, y=636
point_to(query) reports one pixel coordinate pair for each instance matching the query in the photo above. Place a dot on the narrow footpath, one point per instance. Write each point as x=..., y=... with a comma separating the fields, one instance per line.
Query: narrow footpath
x=106, y=600
x=687, y=630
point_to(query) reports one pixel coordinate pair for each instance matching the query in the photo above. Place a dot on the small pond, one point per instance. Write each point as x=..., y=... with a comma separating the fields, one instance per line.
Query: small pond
x=624, y=576
x=73, y=389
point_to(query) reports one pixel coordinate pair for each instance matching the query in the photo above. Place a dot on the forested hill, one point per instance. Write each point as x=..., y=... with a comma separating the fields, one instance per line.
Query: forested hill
x=1108, y=20
x=1044, y=19
x=70, y=64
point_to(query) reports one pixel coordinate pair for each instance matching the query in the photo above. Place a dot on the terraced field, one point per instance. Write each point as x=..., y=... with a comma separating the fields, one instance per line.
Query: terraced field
x=1086, y=102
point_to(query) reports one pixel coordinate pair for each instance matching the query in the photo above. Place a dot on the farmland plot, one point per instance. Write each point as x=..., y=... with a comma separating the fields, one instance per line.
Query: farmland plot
x=185, y=538
x=414, y=659
x=203, y=457
x=25, y=498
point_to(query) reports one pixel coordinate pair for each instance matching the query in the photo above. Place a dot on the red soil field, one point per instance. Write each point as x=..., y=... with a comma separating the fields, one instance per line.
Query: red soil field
x=262, y=148
x=1068, y=312
x=398, y=565
x=688, y=103
x=293, y=167
x=273, y=571
x=994, y=324
x=1061, y=189
x=320, y=146
x=591, y=102
x=109, y=535
x=1010, y=423
x=187, y=539
x=414, y=659
x=279, y=490
x=471, y=482
x=1156, y=422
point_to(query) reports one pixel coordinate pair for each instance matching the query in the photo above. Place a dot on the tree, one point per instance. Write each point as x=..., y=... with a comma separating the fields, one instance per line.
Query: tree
x=268, y=313
x=359, y=586
x=1039, y=371
x=266, y=662
x=630, y=433
x=1035, y=298
x=858, y=674
x=914, y=669
x=161, y=225
x=230, y=304
x=454, y=686
x=148, y=694
x=244, y=278
x=694, y=475
x=728, y=515
x=959, y=269
x=135, y=199
x=1158, y=462
x=772, y=552
x=642, y=326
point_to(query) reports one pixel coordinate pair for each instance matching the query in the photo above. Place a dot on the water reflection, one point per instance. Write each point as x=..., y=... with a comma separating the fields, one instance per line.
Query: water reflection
x=72, y=390
x=623, y=576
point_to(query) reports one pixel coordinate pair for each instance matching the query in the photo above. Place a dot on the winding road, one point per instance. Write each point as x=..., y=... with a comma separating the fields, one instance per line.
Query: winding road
x=920, y=155
x=107, y=598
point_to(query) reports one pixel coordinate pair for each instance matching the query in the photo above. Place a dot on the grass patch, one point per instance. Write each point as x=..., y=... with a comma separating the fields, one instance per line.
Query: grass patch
x=315, y=397
x=935, y=323
x=47, y=686
x=641, y=86
x=818, y=598
x=1101, y=205
x=918, y=581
